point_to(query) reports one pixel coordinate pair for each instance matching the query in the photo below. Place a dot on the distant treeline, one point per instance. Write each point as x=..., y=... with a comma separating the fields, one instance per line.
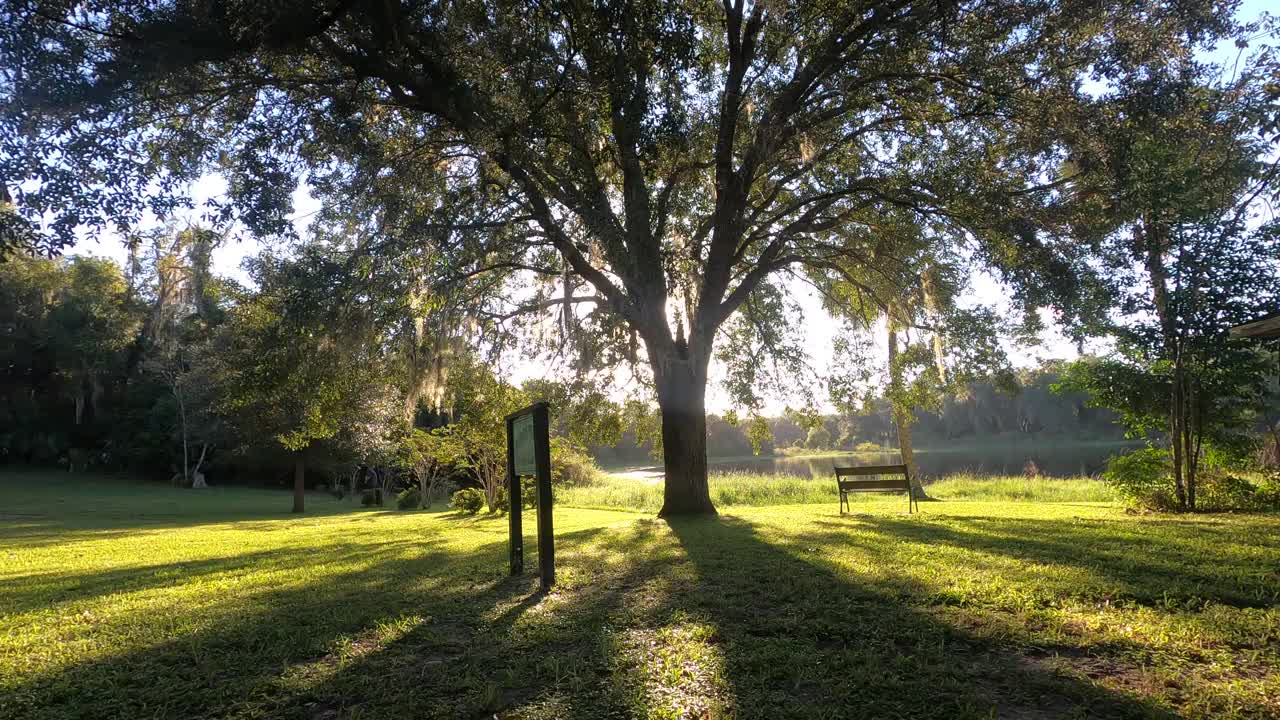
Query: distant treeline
x=82, y=382
x=102, y=366
x=1028, y=408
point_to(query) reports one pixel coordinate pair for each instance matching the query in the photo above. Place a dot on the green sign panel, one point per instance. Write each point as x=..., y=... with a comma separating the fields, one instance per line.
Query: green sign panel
x=522, y=445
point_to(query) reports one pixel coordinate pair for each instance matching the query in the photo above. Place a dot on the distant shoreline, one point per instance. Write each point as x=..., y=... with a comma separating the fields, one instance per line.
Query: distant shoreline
x=641, y=469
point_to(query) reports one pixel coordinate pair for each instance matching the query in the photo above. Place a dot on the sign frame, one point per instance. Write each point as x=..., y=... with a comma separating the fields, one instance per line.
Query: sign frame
x=538, y=415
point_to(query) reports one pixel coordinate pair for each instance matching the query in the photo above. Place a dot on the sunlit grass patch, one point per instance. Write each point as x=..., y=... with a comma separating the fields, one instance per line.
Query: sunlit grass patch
x=674, y=671
x=1017, y=488
x=746, y=489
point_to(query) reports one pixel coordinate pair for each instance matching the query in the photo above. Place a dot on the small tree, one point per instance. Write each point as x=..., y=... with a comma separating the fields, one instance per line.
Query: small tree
x=1180, y=176
x=295, y=364
x=1212, y=391
x=432, y=455
x=484, y=401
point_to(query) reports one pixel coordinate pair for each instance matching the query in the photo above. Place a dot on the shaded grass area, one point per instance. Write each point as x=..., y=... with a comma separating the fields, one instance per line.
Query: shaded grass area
x=150, y=608
x=744, y=489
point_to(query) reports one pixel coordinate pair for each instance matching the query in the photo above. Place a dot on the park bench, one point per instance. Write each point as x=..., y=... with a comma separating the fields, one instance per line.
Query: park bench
x=874, y=478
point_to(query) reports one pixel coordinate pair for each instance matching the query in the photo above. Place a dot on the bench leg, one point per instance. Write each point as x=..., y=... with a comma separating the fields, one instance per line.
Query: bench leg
x=844, y=502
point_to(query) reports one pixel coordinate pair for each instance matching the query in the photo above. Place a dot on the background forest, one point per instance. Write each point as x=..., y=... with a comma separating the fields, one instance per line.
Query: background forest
x=131, y=368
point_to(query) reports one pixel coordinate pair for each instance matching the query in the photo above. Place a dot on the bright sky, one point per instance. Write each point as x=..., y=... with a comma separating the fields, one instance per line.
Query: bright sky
x=818, y=327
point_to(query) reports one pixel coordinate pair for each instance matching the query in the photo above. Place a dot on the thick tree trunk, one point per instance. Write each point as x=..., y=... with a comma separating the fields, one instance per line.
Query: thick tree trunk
x=682, y=390
x=299, y=481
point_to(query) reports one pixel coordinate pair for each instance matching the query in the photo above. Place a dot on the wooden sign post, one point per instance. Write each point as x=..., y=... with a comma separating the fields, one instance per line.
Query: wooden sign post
x=529, y=455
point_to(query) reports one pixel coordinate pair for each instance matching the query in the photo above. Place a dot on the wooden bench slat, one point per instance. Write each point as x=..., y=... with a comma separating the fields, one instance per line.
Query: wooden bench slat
x=859, y=485
x=859, y=479
x=871, y=470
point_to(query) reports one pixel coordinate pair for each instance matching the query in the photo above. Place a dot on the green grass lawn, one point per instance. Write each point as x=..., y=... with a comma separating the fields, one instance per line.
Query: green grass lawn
x=123, y=600
x=738, y=489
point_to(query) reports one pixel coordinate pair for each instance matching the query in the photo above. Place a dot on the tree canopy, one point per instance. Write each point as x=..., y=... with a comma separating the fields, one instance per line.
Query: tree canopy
x=676, y=159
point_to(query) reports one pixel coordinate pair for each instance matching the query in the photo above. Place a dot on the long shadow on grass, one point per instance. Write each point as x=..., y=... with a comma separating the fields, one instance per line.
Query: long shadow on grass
x=50, y=589
x=510, y=651
x=432, y=634
x=60, y=528
x=1144, y=562
x=695, y=618
x=800, y=640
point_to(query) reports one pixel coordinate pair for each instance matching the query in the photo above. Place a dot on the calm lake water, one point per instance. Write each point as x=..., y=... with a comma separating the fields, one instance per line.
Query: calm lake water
x=1064, y=460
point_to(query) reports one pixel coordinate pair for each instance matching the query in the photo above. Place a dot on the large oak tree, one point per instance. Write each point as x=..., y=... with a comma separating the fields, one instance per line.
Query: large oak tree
x=674, y=157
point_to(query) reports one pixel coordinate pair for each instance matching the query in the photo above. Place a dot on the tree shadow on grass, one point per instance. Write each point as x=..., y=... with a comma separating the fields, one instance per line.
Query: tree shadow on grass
x=800, y=640
x=75, y=527
x=692, y=618
x=438, y=633
x=50, y=589
x=1139, y=562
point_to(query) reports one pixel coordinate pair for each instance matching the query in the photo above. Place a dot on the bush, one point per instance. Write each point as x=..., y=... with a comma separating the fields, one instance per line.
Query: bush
x=1224, y=491
x=867, y=447
x=409, y=499
x=369, y=498
x=1142, y=479
x=571, y=466
x=468, y=501
x=529, y=493
x=1269, y=489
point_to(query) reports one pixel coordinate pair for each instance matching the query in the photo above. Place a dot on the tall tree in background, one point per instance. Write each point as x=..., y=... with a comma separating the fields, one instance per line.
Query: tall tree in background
x=66, y=329
x=1177, y=175
x=296, y=362
x=184, y=299
x=90, y=328
x=677, y=157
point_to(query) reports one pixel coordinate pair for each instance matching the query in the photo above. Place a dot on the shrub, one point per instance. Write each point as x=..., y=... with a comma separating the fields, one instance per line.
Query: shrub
x=369, y=498
x=1269, y=489
x=529, y=494
x=571, y=466
x=1224, y=491
x=1142, y=479
x=409, y=499
x=467, y=501
x=867, y=447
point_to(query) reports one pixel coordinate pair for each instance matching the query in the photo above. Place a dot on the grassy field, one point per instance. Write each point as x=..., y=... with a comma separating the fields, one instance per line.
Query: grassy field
x=121, y=600
x=742, y=489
